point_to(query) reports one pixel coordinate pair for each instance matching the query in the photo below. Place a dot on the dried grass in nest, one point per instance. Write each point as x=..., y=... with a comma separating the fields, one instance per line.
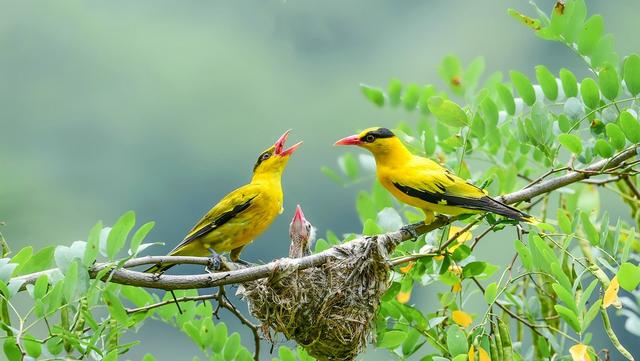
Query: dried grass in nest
x=330, y=309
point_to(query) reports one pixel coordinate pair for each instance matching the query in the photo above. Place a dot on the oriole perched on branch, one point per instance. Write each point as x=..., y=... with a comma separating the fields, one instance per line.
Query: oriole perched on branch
x=423, y=183
x=242, y=214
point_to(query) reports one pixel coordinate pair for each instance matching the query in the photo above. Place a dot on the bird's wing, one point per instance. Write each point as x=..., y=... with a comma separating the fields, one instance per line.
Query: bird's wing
x=229, y=207
x=437, y=185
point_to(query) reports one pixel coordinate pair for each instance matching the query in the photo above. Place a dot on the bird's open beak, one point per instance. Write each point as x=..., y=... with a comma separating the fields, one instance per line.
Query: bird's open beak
x=350, y=140
x=298, y=217
x=298, y=224
x=279, y=145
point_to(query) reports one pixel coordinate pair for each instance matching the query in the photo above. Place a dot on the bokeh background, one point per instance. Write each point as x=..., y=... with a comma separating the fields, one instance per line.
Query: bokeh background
x=162, y=107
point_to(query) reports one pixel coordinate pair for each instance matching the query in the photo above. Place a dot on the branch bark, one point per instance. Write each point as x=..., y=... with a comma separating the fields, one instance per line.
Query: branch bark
x=241, y=274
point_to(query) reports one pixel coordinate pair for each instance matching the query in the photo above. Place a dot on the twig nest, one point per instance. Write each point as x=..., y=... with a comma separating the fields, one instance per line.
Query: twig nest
x=329, y=309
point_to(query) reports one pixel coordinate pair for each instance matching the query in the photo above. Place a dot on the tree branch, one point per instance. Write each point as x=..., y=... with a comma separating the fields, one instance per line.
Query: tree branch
x=240, y=274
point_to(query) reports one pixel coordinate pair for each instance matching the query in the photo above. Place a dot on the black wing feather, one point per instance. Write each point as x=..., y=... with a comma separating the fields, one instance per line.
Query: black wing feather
x=485, y=203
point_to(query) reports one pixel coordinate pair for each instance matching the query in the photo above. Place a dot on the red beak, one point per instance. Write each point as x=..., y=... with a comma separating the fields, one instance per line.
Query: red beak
x=279, y=145
x=298, y=216
x=350, y=140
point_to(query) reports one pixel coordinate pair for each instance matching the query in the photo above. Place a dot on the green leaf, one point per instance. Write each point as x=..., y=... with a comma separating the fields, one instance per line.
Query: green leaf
x=137, y=295
x=349, y=165
x=111, y=356
x=587, y=294
x=116, y=309
x=285, y=354
x=70, y=282
x=394, y=91
x=93, y=245
x=547, y=82
x=21, y=258
x=603, y=148
x=456, y=341
x=631, y=73
x=576, y=11
x=591, y=314
x=332, y=174
x=477, y=126
x=629, y=276
x=148, y=357
x=11, y=349
x=589, y=229
x=448, y=112
x=616, y=135
x=490, y=111
x=564, y=222
x=524, y=254
x=590, y=35
x=232, y=346
x=118, y=235
x=375, y=95
x=32, y=346
x=506, y=97
x=566, y=297
x=473, y=269
x=572, y=142
x=569, y=83
x=590, y=93
x=523, y=86
x=630, y=126
x=533, y=24
x=40, y=261
x=490, y=293
x=54, y=345
x=423, y=103
x=219, y=337
x=392, y=339
x=609, y=82
x=40, y=288
x=411, y=97
x=140, y=235
x=569, y=317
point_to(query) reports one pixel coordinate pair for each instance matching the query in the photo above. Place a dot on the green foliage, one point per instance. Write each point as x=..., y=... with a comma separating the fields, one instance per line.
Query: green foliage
x=550, y=286
x=577, y=122
x=86, y=316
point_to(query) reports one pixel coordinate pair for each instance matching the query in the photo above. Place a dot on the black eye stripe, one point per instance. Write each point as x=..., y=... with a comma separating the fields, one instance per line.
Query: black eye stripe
x=378, y=133
x=262, y=157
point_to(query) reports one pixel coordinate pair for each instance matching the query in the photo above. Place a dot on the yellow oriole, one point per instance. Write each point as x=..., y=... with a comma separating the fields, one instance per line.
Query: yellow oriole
x=423, y=183
x=242, y=214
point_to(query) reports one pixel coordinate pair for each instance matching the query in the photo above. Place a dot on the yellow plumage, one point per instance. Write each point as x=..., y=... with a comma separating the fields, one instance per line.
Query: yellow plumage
x=241, y=215
x=423, y=183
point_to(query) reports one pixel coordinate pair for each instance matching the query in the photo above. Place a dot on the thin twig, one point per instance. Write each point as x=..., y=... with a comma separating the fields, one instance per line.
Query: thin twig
x=223, y=302
x=632, y=186
x=241, y=274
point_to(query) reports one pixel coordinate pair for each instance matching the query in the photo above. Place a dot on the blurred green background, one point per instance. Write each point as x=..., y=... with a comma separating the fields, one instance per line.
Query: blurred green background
x=162, y=106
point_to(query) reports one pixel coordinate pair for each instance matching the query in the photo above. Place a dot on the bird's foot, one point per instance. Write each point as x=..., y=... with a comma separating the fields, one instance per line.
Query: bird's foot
x=215, y=262
x=412, y=229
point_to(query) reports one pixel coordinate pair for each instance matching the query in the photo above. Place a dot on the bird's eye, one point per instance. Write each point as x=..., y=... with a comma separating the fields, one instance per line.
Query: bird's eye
x=369, y=138
x=265, y=156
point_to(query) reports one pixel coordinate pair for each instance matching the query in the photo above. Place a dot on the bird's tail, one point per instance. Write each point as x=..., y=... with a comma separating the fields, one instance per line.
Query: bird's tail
x=497, y=207
x=158, y=268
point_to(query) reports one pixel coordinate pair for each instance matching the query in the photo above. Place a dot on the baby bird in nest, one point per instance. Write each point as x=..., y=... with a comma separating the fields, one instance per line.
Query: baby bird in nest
x=302, y=235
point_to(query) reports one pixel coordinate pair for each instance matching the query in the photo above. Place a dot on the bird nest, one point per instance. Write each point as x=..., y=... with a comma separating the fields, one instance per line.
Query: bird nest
x=327, y=309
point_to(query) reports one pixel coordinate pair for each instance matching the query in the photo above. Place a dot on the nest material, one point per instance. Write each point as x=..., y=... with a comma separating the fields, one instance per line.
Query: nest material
x=329, y=309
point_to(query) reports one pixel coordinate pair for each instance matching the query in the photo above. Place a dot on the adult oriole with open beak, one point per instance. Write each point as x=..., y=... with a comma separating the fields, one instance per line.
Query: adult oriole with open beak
x=302, y=234
x=423, y=183
x=242, y=214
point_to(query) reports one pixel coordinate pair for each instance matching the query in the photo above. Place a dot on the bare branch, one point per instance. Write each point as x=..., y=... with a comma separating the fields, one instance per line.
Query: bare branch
x=240, y=274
